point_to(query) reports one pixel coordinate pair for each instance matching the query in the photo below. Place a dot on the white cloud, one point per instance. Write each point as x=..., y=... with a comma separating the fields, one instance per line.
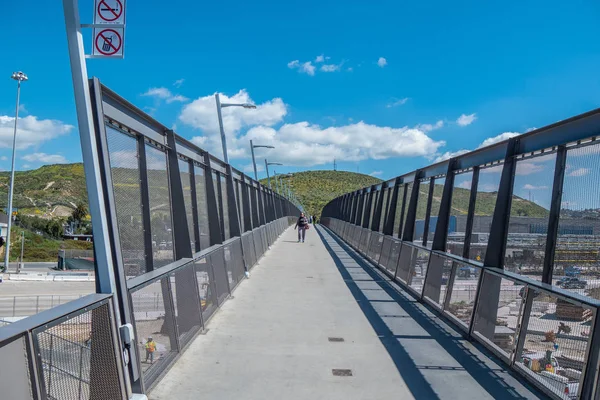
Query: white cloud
x=330, y=67
x=449, y=154
x=4, y=158
x=465, y=184
x=382, y=62
x=496, y=139
x=398, y=102
x=430, y=127
x=306, y=68
x=165, y=94
x=465, y=120
x=320, y=58
x=45, y=158
x=31, y=131
x=22, y=109
x=376, y=173
x=300, y=143
x=178, y=83
x=26, y=166
x=579, y=172
x=532, y=187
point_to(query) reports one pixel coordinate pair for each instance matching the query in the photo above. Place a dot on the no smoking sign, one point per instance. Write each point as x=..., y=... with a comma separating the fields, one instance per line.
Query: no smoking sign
x=109, y=28
x=109, y=12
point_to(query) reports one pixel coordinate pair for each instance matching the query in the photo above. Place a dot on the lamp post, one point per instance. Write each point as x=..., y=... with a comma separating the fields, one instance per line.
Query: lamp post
x=267, y=168
x=19, y=77
x=223, y=105
x=255, y=146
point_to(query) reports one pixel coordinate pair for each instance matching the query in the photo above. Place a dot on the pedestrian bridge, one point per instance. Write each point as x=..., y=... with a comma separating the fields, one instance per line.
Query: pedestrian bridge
x=441, y=283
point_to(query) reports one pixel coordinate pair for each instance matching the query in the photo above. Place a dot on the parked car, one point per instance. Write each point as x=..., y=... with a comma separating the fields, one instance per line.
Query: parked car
x=572, y=271
x=563, y=381
x=573, y=283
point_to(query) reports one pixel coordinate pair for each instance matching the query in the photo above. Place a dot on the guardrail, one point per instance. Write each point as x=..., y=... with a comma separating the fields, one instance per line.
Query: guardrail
x=68, y=352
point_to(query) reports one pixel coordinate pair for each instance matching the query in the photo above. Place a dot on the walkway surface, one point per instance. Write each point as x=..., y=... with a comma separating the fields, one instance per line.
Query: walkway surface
x=272, y=341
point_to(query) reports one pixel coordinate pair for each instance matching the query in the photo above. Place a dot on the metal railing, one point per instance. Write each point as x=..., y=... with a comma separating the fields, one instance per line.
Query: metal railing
x=504, y=242
x=68, y=352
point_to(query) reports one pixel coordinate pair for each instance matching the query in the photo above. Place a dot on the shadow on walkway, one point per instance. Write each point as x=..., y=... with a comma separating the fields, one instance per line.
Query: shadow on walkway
x=450, y=366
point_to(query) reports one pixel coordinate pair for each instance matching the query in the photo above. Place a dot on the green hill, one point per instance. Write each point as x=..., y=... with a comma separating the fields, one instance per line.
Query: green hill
x=49, y=191
x=315, y=189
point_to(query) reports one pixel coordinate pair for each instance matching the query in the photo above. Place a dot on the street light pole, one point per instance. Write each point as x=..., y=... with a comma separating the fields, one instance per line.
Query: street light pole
x=19, y=77
x=223, y=105
x=268, y=177
x=252, y=146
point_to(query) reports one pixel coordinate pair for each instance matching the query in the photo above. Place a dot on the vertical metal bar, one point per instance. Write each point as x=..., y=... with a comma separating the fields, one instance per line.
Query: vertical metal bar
x=553, y=218
x=589, y=386
x=471, y=212
x=524, y=322
x=145, y=200
x=14, y=305
x=428, y=211
x=401, y=223
x=257, y=217
x=246, y=205
x=378, y=209
x=253, y=160
x=195, y=211
x=367, y=210
x=494, y=255
x=80, y=371
x=219, y=194
x=214, y=226
x=181, y=232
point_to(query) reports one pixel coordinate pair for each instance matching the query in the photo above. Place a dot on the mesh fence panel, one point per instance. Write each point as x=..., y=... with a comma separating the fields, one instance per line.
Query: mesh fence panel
x=186, y=184
x=438, y=276
x=15, y=379
x=461, y=192
x=438, y=189
x=234, y=263
x=217, y=259
x=577, y=254
x=487, y=193
x=464, y=293
x=386, y=247
x=155, y=326
x=530, y=210
x=418, y=270
x=77, y=357
x=202, y=206
x=186, y=302
x=125, y=176
x=225, y=198
x=160, y=207
x=206, y=287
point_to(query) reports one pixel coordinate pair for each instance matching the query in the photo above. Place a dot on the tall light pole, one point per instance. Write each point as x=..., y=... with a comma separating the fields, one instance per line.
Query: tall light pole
x=267, y=168
x=19, y=77
x=223, y=105
x=255, y=146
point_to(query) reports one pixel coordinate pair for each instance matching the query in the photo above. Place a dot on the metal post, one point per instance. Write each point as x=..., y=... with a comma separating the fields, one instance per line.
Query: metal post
x=253, y=160
x=12, y=180
x=223, y=139
x=268, y=177
x=22, y=248
x=471, y=212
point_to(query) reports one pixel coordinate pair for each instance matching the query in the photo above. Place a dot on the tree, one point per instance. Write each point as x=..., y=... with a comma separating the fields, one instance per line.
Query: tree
x=80, y=213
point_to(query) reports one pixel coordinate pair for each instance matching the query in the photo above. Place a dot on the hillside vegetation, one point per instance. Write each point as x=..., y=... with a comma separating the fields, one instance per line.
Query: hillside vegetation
x=315, y=189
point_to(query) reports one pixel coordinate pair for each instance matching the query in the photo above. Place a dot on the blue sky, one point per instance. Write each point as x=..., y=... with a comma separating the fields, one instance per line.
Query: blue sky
x=386, y=96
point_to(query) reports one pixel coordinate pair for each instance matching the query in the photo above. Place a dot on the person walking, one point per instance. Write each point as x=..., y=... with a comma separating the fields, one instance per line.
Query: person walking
x=302, y=225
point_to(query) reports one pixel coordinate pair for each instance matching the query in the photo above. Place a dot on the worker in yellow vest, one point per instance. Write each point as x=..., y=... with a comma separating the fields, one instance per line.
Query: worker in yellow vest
x=150, y=349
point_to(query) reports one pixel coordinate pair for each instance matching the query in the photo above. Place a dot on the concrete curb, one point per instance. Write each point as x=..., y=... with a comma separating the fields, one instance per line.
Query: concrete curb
x=43, y=277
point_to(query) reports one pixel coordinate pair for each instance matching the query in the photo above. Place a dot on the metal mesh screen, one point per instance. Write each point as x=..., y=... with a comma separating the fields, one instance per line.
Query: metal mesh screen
x=418, y=270
x=438, y=189
x=234, y=263
x=577, y=254
x=160, y=207
x=226, y=216
x=386, y=247
x=249, y=250
x=436, y=283
x=407, y=257
x=422, y=200
x=77, y=357
x=186, y=302
x=15, y=379
x=155, y=326
x=463, y=293
x=202, y=206
x=530, y=210
x=217, y=259
x=125, y=176
x=186, y=184
x=487, y=193
x=206, y=287
x=461, y=193
x=499, y=313
x=557, y=337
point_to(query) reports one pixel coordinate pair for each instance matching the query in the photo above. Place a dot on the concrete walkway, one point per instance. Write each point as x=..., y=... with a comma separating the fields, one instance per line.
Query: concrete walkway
x=273, y=340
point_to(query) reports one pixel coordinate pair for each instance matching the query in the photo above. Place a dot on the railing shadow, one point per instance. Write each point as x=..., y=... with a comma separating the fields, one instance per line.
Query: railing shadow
x=488, y=375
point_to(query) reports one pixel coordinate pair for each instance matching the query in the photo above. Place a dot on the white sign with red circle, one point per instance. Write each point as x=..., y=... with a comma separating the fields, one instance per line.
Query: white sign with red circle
x=108, y=42
x=109, y=12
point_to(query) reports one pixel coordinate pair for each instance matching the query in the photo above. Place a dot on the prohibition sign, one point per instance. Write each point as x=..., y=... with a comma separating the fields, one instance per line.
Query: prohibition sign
x=107, y=12
x=108, y=42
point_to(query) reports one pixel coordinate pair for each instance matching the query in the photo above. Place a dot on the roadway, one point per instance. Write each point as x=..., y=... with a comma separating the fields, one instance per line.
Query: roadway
x=309, y=309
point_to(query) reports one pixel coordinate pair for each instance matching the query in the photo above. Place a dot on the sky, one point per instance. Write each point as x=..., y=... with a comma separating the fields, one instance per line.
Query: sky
x=383, y=87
